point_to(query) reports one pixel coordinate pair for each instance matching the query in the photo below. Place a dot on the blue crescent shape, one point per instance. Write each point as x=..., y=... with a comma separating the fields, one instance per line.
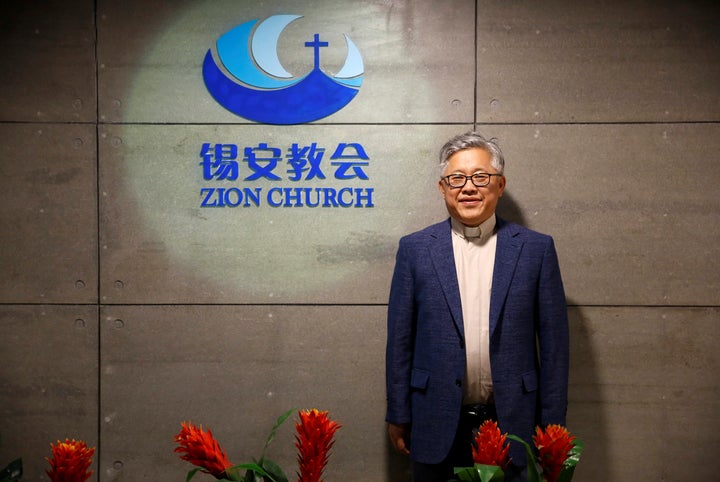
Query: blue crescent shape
x=353, y=63
x=233, y=49
x=351, y=72
x=264, y=44
x=313, y=98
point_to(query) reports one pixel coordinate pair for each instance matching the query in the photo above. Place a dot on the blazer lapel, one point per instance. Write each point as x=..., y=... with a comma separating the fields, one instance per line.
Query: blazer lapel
x=443, y=259
x=506, y=258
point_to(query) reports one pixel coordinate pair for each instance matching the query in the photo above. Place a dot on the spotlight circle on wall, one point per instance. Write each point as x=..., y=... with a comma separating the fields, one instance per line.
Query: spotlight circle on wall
x=178, y=250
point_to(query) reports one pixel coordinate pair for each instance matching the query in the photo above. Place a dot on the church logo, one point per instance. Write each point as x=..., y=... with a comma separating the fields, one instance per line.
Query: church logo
x=245, y=76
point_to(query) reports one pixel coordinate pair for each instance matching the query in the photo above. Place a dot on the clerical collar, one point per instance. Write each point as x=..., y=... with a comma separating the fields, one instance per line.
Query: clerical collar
x=483, y=231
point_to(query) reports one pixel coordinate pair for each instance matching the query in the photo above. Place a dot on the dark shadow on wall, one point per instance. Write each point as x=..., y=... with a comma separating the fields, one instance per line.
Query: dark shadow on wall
x=586, y=407
x=509, y=210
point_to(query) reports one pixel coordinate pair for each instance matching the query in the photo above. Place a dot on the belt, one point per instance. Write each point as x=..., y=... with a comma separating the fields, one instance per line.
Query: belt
x=479, y=412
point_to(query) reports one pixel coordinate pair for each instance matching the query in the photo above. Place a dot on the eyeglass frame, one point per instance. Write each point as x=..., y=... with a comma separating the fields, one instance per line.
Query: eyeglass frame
x=470, y=177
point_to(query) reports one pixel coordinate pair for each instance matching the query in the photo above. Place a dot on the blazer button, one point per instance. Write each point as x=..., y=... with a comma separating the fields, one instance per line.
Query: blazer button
x=458, y=383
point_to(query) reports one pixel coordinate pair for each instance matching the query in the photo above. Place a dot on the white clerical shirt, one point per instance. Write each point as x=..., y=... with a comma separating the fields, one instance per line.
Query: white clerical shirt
x=474, y=251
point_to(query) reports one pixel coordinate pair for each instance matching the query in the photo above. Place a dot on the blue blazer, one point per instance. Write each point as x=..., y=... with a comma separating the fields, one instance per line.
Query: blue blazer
x=425, y=354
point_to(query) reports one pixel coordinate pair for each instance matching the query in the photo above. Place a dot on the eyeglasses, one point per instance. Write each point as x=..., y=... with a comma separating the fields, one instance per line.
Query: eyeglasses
x=479, y=179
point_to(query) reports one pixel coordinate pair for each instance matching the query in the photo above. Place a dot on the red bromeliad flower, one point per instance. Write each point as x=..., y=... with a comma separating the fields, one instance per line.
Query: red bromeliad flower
x=553, y=446
x=200, y=448
x=491, y=447
x=314, y=439
x=70, y=461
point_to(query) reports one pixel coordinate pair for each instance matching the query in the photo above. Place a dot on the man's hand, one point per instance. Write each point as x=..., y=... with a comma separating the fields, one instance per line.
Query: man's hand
x=400, y=437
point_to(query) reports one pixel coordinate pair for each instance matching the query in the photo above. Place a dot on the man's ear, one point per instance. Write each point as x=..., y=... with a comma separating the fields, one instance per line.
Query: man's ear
x=502, y=182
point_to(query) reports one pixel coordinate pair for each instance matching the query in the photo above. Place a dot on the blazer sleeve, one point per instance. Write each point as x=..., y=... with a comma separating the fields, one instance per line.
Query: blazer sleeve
x=400, y=338
x=553, y=341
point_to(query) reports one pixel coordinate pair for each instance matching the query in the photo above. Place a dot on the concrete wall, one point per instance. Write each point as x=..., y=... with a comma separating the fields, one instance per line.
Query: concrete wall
x=126, y=308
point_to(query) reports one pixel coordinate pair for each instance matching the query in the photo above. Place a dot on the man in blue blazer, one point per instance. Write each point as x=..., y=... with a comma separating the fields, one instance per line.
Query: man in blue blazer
x=477, y=324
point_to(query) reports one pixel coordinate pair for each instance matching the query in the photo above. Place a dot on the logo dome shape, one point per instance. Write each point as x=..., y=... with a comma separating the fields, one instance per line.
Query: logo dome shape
x=258, y=88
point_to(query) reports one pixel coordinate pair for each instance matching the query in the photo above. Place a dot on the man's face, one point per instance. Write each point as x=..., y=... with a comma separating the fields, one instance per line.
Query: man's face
x=469, y=204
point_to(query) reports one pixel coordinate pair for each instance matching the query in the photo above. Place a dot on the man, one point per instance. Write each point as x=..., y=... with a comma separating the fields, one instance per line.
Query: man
x=477, y=323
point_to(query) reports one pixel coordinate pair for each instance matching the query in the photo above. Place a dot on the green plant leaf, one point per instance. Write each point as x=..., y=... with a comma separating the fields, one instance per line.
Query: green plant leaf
x=13, y=471
x=192, y=473
x=281, y=419
x=232, y=473
x=568, y=470
x=490, y=473
x=275, y=472
x=467, y=474
x=481, y=473
x=532, y=470
x=253, y=467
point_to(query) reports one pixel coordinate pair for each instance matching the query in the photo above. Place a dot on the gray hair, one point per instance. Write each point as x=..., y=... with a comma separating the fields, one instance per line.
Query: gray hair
x=470, y=140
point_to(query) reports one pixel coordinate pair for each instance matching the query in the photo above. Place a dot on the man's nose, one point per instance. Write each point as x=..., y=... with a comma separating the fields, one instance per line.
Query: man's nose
x=469, y=186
